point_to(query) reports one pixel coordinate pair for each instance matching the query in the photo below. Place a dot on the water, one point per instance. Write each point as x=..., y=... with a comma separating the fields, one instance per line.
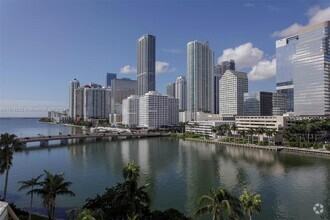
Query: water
x=178, y=172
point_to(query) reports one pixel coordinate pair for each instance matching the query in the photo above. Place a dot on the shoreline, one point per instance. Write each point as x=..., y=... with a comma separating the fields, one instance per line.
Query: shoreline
x=324, y=153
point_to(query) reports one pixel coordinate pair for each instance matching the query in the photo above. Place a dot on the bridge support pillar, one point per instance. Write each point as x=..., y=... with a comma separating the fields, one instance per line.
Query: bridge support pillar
x=82, y=140
x=43, y=143
x=99, y=139
x=22, y=145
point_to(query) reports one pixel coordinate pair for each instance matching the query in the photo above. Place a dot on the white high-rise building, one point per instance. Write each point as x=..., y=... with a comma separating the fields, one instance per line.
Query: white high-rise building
x=200, y=61
x=233, y=85
x=74, y=84
x=131, y=111
x=181, y=92
x=152, y=110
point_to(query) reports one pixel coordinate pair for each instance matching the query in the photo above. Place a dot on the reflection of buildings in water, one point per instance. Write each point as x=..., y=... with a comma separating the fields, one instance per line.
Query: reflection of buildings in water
x=199, y=177
x=277, y=170
x=143, y=156
x=252, y=154
x=125, y=151
x=204, y=149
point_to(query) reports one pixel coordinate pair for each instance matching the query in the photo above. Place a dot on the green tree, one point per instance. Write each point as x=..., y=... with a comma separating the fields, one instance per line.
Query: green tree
x=218, y=203
x=251, y=132
x=251, y=203
x=260, y=131
x=52, y=186
x=129, y=192
x=234, y=129
x=131, y=172
x=242, y=133
x=8, y=145
x=31, y=183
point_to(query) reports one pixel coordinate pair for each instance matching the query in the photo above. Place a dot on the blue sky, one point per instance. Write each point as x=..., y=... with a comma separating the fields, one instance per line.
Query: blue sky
x=45, y=44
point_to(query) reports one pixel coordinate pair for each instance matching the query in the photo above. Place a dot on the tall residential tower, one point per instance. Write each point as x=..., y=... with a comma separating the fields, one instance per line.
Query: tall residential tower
x=200, y=66
x=73, y=85
x=146, y=64
x=181, y=92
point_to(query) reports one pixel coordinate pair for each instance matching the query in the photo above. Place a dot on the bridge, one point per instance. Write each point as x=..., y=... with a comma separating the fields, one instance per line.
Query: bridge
x=44, y=140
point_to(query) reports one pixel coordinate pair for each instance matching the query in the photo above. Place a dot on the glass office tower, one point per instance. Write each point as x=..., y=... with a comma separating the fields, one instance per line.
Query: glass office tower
x=285, y=50
x=146, y=63
x=258, y=104
x=312, y=71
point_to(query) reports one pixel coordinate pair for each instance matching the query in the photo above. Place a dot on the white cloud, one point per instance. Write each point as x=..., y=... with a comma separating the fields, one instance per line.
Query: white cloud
x=164, y=67
x=128, y=69
x=244, y=55
x=264, y=69
x=248, y=57
x=315, y=14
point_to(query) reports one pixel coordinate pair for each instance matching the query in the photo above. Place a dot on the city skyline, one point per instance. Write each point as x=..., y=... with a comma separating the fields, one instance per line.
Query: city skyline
x=57, y=61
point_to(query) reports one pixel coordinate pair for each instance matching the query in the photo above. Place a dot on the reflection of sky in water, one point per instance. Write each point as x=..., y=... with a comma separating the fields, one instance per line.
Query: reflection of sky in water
x=179, y=172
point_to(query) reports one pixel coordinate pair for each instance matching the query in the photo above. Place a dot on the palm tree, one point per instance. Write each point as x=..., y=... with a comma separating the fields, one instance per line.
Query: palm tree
x=218, y=203
x=234, y=129
x=251, y=132
x=31, y=183
x=242, y=133
x=8, y=146
x=251, y=202
x=260, y=131
x=52, y=186
x=131, y=172
x=135, y=197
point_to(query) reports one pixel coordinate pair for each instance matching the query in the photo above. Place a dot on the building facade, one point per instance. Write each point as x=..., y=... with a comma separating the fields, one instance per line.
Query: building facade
x=312, y=71
x=279, y=104
x=233, y=85
x=170, y=89
x=200, y=66
x=131, y=111
x=121, y=89
x=94, y=103
x=146, y=63
x=285, y=51
x=109, y=77
x=73, y=85
x=152, y=110
x=181, y=92
x=258, y=104
x=219, y=70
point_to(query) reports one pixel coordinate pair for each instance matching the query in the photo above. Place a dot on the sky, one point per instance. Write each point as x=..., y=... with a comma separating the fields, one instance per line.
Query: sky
x=45, y=44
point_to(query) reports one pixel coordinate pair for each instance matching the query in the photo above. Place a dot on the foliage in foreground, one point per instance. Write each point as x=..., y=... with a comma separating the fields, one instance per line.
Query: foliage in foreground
x=128, y=200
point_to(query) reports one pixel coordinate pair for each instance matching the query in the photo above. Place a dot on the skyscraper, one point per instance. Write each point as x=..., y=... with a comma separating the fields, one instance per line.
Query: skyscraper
x=285, y=50
x=181, y=92
x=311, y=65
x=109, y=77
x=170, y=89
x=219, y=70
x=121, y=89
x=200, y=64
x=73, y=85
x=233, y=85
x=146, y=68
x=279, y=104
x=258, y=104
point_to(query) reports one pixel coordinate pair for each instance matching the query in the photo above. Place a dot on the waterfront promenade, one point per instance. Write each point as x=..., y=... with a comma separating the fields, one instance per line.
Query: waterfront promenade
x=270, y=148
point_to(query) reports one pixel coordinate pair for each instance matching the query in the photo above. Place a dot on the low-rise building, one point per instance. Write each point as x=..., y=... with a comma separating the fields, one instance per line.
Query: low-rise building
x=205, y=127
